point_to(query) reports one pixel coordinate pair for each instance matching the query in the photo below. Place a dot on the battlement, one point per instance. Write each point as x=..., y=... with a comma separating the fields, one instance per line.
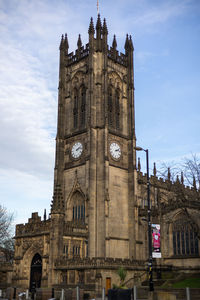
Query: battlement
x=34, y=226
x=98, y=44
x=161, y=182
x=78, y=55
x=118, y=58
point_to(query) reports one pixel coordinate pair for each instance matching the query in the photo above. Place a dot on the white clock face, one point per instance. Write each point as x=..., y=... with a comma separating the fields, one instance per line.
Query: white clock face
x=115, y=150
x=77, y=150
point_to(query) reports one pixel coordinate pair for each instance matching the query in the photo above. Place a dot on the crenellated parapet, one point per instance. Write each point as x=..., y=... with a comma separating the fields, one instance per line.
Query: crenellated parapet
x=34, y=226
x=96, y=43
x=117, y=57
x=165, y=194
x=161, y=182
x=78, y=55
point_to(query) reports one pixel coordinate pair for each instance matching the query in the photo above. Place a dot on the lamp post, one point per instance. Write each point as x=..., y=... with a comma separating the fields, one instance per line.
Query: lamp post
x=150, y=265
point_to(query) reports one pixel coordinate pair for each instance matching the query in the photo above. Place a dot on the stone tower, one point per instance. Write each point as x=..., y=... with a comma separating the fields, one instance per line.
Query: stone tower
x=95, y=157
x=97, y=221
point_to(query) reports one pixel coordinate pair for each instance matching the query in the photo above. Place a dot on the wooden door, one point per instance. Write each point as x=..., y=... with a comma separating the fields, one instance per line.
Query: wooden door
x=108, y=284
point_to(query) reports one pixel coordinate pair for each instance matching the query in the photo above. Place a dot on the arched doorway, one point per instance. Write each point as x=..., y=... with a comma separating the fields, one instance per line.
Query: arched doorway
x=36, y=272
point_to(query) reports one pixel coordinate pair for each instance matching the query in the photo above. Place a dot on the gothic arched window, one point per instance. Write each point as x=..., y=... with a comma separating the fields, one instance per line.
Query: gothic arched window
x=110, y=107
x=83, y=104
x=185, y=238
x=78, y=207
x=117, y=110
x=75, y=110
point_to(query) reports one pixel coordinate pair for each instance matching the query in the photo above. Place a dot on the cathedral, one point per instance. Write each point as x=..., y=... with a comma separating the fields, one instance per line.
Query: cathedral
x=98, y=219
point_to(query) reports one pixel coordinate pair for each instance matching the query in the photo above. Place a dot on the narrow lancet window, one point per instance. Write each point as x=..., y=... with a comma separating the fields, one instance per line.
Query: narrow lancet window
x=83, y=104
x=75, y=111
x=117, y=110
x=110, y=107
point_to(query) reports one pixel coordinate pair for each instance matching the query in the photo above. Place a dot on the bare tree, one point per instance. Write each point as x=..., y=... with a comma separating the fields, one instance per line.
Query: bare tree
x=187, y=172
x=6, y=241
x=192, y=171
x=179, y=176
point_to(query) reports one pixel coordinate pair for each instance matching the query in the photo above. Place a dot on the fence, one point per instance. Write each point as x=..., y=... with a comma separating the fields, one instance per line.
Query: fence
x=137, y=293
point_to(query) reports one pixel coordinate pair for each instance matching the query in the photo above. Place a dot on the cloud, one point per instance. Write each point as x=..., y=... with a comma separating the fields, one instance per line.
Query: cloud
x=147, y=15
x=27, y=113
x=22, y=193
x=30, y=36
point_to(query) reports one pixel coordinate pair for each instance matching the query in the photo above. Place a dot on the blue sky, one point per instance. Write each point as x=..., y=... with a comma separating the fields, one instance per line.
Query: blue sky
x=166, y=37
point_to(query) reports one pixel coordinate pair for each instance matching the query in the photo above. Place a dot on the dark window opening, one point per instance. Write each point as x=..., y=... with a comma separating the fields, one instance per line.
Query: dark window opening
x=83, y=104
x=185, y=239
x=75, y=111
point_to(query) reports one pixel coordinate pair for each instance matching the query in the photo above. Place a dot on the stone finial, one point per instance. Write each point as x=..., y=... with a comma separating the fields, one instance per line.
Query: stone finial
x=114, y=43
x=139, y=165
x=105, y=29
x=79, y=42
x=126, y=46
x=168, y=174
x=177, y=179
x=194, y=183
x=154, y=169
x=66, y=42
x=98, y=24
x=182, y=178
x=131, y=43
x=98, y=27
x=91, y=27
x=62, y=43
x=45, y=215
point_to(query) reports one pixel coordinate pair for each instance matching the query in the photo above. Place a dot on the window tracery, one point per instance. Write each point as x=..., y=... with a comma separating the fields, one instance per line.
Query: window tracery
x=78, y=209
x=75, y=110
x=114, y=107
x=185, y=238
x=79, y=107
x=83, y=104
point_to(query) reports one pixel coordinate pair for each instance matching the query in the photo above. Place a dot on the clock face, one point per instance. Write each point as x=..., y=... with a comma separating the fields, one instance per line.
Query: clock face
x=77, y=150
x=115, y=150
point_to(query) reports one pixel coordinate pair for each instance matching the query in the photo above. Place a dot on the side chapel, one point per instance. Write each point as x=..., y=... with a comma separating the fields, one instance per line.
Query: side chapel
x=97, y=220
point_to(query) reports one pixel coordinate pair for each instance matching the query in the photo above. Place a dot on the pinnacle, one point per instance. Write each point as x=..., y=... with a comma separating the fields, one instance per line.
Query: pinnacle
x=154, y=169
x=79, y=43
x=62, y=42
x=131, y=43
x=168, y=174
x=58, y=201
x=139, y=165
x=182, y=178
x=194, y=183
x=126, y=46
x=98, y=24
x=91, y=27
x=105, y=29
x=66, y=42
x=114, y=44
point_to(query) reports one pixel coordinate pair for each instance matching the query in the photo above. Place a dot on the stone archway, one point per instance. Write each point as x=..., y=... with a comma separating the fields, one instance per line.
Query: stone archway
x=36, y=271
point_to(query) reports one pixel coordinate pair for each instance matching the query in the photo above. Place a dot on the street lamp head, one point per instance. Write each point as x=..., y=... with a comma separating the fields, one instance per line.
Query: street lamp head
x=139, y=149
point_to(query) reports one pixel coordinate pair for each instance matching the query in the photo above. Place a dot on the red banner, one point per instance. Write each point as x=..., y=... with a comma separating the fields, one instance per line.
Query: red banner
x=156, y=248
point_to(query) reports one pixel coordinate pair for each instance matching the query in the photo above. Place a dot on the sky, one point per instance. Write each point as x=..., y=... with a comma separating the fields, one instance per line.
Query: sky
x=166, y=37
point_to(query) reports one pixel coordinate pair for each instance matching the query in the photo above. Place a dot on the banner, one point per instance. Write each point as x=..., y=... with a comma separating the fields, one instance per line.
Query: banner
x=156, y=250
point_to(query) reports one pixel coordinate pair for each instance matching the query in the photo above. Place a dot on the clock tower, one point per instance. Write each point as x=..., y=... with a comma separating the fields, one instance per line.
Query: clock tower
x=95, y=156
x=97, y=221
